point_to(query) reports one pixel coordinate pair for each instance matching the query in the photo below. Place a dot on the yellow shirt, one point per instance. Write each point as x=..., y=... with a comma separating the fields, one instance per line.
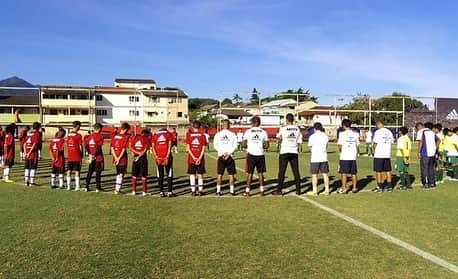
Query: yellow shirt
x=450, y=143
x=441, y=136
x=404, y=144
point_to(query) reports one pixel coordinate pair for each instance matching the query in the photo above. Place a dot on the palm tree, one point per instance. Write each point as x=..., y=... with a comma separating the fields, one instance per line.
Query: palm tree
x=236, y=99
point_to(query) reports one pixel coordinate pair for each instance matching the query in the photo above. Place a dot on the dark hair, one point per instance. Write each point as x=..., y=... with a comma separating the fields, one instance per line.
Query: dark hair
x=27, y=128
x=290, y=117
x=125, y=126
x=438, y=126
x=346, y=123
x=455, y=130
x=76, y=124
x=429, y=125
x=61, y=132
x=256, y=120
x=98, y=126
x=404, y=130
x=227, y=122
x=145, y=131
x=446, y=131
x=419, y=124
x=380, y=121
x=196, y=124
x=318, y=126
x=36, y=125
x=9, y=129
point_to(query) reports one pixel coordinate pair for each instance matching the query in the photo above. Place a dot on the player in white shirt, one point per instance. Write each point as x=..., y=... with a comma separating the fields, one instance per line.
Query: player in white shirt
x=255, y=140
x=290, y=137
x=348, y=146
x=428, y=144
x=239, y=139
x=381, y=144
x=225, y=143
x=368, y=137
x=318, y=142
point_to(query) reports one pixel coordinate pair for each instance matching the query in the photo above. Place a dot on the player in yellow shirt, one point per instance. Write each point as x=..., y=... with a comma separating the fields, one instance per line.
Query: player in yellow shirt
x=404, y=148
x=451, y=151
x=439, y=168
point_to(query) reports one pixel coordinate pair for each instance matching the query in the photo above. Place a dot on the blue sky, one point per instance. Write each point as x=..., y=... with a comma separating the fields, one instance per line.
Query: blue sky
x=216, y=47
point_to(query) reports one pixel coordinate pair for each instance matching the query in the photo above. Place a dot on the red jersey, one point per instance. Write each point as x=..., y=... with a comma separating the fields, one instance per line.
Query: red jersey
x=56, y=148
x=93, y=144
x=118, y=143
x=174, y=138
x=140, y=143
x=22, y=136
x=31, y=143
x=161, y=141
x=2, y=137
x=9, y=146
x=197, y=142
x=74, y=144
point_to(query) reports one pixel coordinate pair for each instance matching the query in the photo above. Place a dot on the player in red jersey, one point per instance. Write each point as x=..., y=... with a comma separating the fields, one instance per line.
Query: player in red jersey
x=175, y=140
x=31, y=142
x=8, y=152
x=22, y=136
x=2, y=140
x=161, y=146
x=56, y=151
x=139, y=145
x=93, y=145
x=195, y=147
x=74, y=155
x=119, y=148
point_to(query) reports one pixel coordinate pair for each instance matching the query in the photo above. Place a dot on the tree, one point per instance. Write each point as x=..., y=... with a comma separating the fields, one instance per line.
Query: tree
x=361, y=102
x=226, y=101
x=254, y=99
x=236, y=98
x=293, y=94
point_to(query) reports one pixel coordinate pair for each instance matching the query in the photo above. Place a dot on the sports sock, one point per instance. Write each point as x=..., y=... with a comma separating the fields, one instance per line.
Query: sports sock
x=231, y=188
x=218, y=188
x=144, y=185
x=53, y=179
x=192, y=182
x=247, y=189
x=118, y=183
x=6, y=173
x=61, y=180
x=69, y=181
x=32, y=175
x=261, y=188
x=77, y=182
x=134, y=184
x=26, y=176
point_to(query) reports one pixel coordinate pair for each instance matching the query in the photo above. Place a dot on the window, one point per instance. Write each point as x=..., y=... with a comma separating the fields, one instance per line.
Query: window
x=98, y=97
x=154, y=99
x=58, y=112
x=102, y=112
x=79, y=112
x=134, y=113
x=134, y=99
x=79, y=97
x=174, y=100
x=152, y=113
x=180, y=114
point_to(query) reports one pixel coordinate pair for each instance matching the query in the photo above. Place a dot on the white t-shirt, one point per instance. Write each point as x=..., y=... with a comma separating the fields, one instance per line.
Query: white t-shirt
x=349, y=140
x=255, y=138
x=318, y=142
x=383, y=138
x=291, y=137
x=225, y=141
x=239, y=136
x=429, y=142
x=368, y=137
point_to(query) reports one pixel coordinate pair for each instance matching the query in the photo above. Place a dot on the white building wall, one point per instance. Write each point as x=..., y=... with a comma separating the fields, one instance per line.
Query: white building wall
x=119, y=108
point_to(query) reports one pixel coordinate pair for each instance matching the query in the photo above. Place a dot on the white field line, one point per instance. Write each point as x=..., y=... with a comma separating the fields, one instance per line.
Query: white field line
x=428, y=256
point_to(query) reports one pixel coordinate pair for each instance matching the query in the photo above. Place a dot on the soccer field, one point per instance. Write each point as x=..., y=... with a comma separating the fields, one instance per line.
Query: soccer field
x=60, y=234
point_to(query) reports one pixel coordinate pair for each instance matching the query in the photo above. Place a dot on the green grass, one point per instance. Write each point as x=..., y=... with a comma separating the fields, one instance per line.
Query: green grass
x=60, y=234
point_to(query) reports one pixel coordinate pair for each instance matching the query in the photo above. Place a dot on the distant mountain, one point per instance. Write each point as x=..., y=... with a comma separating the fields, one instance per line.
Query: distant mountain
x=15, y=82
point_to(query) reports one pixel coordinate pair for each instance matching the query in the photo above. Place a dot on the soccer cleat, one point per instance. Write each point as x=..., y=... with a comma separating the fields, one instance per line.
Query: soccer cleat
x=342, y=192
x=193, y=194
x=133, y=193
x=298, y=193
x=233, y=194
x=170, y=195
x=314, y=194
x=354, y=191
x=219, y=194
x=8, y=180
x=85, y=190
x=77, y=189
x=97, y=190
x=144, y=194
x=116, y=192
x=326, y=193
x=277, y=193
x=200, y=193
x=246, y=194
x=162, y=194
x=389, y=189
x=378, y=190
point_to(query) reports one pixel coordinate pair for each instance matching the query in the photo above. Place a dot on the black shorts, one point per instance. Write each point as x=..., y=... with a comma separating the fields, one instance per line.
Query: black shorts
x=140, y=167
x=382, y=164
x=199, y=169
x=97, y=166
x=255, y=162
x=8, y=163
x=58, y=170
x=322, y=167
x=348, y=167
x=31, y=164
x=121, y=169
x=228, y=165
x=73, y=166
x=1, y=151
